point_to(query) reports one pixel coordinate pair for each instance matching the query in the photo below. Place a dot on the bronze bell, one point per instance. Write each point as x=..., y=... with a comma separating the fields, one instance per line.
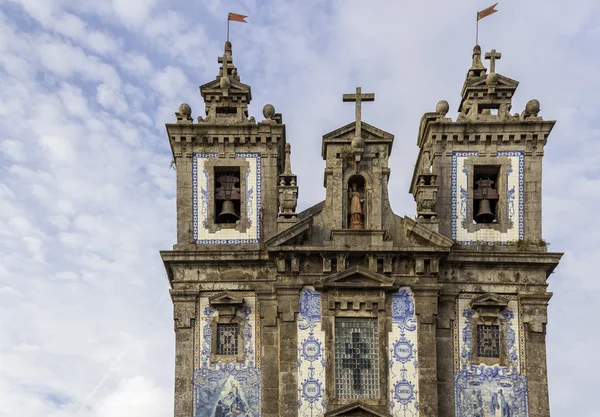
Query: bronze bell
x=228, y=214
x=484, y=215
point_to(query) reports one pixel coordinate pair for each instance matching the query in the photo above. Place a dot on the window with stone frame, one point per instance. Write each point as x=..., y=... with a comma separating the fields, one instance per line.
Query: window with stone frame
x=227, y=327
x=356, y=357
x=488, y=330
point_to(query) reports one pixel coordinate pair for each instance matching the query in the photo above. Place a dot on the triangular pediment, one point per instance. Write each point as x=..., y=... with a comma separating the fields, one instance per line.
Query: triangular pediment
x=368, y=132
x=356, y=409
x=489, y=300
x=358, y=277
x=226, y=298
x=236, y=86
x=501, y=82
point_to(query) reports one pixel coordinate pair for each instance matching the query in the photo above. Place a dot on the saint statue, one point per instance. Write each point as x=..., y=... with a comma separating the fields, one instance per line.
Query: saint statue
x=356, y=214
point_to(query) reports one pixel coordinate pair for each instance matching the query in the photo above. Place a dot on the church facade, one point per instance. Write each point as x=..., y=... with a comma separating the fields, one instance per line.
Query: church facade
x=346, y=308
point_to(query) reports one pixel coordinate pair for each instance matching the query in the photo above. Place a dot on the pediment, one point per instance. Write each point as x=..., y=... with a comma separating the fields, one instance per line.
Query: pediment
x=502, y=82
x=489, y=300
x=424, y=235
x=236, y=86
x=356, y=409
x=226, y=298
x=368, y=132
x=358, y=277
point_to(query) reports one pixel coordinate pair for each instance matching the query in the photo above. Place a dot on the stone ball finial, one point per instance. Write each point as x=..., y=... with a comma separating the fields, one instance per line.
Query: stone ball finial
x=227, y=46
x=358, y=143
x=491, y=79
x=269, y=111
x=477, y=50
x=185, y=110
x=532, y=107
x=442, y=107
x=225, y=82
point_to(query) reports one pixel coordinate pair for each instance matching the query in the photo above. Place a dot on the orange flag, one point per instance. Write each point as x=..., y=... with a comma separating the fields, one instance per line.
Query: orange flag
x=485, y=12
x=237, y=17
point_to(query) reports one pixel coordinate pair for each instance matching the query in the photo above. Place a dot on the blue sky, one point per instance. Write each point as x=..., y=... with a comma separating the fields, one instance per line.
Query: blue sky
x=87, y=198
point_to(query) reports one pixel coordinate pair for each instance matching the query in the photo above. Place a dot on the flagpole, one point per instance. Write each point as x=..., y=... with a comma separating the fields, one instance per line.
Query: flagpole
x=227, y=28
x=477, y=30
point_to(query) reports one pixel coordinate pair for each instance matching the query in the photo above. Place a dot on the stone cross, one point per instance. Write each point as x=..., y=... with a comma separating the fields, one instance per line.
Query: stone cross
x=225, y=60
x=493, y=56
x=358, y=98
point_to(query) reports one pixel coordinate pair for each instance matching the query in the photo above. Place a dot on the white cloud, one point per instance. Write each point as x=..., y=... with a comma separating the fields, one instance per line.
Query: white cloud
x=87, y=197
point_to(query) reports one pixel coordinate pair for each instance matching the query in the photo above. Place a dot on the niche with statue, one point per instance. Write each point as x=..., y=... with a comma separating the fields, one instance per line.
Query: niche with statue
x=356, y=202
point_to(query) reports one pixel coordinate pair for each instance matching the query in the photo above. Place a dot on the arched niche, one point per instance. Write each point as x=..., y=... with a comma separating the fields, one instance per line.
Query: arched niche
x=356, y=209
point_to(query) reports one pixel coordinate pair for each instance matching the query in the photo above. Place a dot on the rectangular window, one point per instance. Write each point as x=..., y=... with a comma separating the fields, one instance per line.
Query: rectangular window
x=227, y=195
x=356, y=358
x=227, y=339
x=488, y=341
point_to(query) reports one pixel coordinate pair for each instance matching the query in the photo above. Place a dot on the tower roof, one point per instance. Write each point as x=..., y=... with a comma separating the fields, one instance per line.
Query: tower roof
x=226, y=97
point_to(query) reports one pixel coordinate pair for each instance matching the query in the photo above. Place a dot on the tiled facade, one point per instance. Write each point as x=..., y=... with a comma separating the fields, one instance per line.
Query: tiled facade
x=484, y=390
x=311, y=356
x=346, y=308
x=201, y=200
x=404, y=358
x=514, y=183
x=227, y=387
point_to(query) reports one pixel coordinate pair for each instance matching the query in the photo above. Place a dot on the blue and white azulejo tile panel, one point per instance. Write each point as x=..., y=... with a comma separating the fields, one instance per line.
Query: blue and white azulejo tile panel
x=227, y=388
x=311, y=358
x=404, y=365
x=201, y=199
x=514, y=201
x=489, y=391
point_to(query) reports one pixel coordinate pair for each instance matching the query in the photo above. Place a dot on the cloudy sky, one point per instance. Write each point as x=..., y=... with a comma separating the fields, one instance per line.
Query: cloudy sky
x=87, y=198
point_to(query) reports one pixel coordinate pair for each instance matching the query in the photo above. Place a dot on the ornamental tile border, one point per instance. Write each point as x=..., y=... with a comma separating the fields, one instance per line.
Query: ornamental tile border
x=205, y=198
x=462, y=195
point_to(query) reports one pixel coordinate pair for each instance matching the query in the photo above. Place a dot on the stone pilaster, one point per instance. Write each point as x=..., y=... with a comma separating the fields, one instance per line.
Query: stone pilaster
x=184, y=314
x=270, y=351
x=445, y=355
x=535, y=307
x=426, y=309
x=288, y=305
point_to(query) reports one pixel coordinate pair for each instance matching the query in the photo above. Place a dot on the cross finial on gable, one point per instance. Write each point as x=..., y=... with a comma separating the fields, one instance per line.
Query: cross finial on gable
x=493, y=56
x=358, y=98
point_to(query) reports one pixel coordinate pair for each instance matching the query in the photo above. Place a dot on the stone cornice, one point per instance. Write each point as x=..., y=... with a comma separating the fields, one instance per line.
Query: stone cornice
x=544, y=260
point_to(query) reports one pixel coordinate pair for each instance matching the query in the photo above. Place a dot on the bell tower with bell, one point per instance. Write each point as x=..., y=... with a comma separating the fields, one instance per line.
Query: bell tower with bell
x=478, y=179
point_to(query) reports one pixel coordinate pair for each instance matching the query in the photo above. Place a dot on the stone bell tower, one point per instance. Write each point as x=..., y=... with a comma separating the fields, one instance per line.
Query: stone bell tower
x=479, y=179
x=356, y=172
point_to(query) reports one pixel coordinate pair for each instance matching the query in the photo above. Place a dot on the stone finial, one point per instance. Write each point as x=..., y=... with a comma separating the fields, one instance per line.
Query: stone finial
x=532, y=109
x=269, y=112
x=287, y=169
x=184, y=113
x=477, y=66
x=442, y=108
x=185, y=110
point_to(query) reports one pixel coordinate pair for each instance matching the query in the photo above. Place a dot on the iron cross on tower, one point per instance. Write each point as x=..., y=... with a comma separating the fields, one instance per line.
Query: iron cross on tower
x=493, y=56
x=358, y=98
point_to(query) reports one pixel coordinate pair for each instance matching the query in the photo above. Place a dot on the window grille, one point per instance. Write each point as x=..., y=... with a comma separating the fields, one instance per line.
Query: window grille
x=356, y=358
x=227, y=339
x=488, y=341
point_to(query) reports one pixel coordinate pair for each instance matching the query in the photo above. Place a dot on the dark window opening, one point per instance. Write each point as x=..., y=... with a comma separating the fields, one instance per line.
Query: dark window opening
x=488, y=341
x=379, y=265
x=227, y=339
x=226, y=110
x=333, y=264
x=485, y=193
x=227, y=195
